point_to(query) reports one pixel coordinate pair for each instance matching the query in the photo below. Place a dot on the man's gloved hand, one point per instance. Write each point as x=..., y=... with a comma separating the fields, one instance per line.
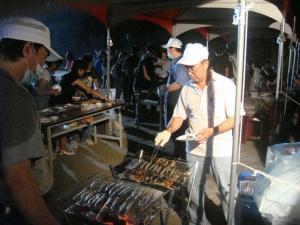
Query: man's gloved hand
x=162, y=138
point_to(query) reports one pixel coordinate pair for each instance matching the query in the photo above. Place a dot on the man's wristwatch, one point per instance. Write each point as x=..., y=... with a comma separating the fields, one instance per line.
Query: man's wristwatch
x=215, y=130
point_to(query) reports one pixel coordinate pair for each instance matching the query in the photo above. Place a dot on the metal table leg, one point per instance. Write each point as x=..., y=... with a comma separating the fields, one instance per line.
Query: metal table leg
x=50, y=154
x=95, y=133
x=171, y=197
x=137, y=109
x=120, y=128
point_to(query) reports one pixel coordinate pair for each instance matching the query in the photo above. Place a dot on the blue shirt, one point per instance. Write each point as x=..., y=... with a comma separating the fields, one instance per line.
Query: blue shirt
x=178, y=74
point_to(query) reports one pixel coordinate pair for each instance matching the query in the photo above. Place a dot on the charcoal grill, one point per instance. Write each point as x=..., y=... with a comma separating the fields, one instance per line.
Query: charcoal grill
x=166, y=174
x=112, y=201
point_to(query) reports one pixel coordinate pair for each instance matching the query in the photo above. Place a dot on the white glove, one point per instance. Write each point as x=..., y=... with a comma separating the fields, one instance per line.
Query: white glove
x=162, y=138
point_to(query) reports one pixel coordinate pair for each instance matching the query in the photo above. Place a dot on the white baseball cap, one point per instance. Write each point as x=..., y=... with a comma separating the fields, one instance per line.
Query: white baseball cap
x=173, y=43
x=27, y=29
x=193, y=54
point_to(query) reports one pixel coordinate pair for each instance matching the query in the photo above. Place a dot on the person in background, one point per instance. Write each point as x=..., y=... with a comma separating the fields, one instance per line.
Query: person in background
x=72, y=85
x=145, y=73
x=220, y=62
x=291, y=127
x=99, y=68
x=232, y=59
x=90, y=71
x=208, y=102
x=129, y=64
x=178, y=77
x=23, y=43
x=257, y=77
x=117, y=75
x=164, y=66
x=45, y=84
x=69, y=60
x=268, y=75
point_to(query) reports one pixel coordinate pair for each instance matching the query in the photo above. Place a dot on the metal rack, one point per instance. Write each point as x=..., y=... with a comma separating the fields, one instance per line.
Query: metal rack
x=127, y=168
x=111, y=200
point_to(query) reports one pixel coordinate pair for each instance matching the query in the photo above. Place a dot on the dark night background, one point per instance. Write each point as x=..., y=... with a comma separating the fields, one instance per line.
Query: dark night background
x=80, y=32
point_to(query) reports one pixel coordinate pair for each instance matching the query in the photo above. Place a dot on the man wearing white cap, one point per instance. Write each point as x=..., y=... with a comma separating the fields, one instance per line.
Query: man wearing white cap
x=208, y=102
x=178, y=77
x=24, y=43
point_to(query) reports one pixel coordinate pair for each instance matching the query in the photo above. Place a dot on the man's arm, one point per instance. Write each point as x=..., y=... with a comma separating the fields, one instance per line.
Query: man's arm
x=226, y=125
x=25, y=194
x=163, y=137
x=91, y=91
x=174, y=124
x=43, y=89
x=173, y=87
x=145, y=73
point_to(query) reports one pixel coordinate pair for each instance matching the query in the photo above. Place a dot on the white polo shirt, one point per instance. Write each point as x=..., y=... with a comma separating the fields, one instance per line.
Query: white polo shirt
x=208, y=108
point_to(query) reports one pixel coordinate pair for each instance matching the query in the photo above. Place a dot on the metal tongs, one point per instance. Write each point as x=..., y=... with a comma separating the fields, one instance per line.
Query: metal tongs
x=156, y=149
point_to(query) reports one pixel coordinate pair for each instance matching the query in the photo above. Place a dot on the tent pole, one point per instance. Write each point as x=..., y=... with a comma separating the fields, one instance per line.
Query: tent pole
x=289, y=77
x=289, y=67
x=280, y=41
x=108, y=40
x=241, y=11
x=297, y=60
x=207, y=40
x=243, y=82
x=291, y=58
x=294, y=53
x=293, y=68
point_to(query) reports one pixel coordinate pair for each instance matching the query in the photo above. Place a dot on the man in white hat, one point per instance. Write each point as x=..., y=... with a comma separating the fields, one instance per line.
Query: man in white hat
x=178, y=77
x=208, y=102
x=24, y=43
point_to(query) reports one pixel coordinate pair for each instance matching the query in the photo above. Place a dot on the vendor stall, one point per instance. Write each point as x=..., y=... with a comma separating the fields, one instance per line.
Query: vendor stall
x=60, y=120
x=134, y=195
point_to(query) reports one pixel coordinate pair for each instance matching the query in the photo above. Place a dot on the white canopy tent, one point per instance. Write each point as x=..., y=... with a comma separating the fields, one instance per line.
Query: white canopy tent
x=259, y=6
x=180, y=28
x=287, y=28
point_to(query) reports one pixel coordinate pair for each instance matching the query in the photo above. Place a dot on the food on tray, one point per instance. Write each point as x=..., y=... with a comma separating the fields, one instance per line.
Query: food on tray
x=100, y=104
x=187, y=137
x=54, y=118
x=45, y=120
x=159, y=171
x=121, y=200
x=73, y=124
x=76, y=98
x=88, y=120
x=92, y=101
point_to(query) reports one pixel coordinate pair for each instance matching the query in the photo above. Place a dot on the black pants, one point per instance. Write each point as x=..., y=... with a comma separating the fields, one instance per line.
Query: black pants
x=10, y=215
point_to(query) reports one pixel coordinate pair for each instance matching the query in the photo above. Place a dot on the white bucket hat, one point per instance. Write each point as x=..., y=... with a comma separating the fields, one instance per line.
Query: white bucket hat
x=193, y=54
x=27, y=29
x=53, y=58
x=173, y=43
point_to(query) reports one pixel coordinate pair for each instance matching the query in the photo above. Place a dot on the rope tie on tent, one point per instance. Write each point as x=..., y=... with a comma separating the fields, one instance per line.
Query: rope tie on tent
x=270, y=177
